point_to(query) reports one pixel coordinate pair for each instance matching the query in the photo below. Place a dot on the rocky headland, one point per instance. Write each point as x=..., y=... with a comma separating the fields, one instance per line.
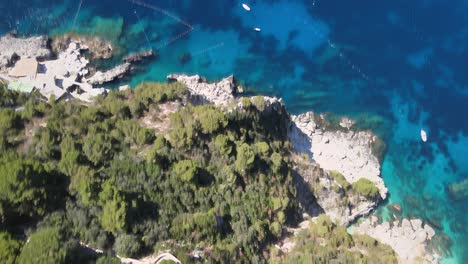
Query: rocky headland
x=408, y=238
x=336, y=157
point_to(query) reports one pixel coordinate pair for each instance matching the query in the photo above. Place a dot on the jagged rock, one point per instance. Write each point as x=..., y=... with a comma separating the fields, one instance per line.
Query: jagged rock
x=341, y=206
x=220, y=93
x=347, y=152
x=98, y=49
x=110, y=75
x=136, y=57
x=347, y=123
x=12, y=47
x=408, y=238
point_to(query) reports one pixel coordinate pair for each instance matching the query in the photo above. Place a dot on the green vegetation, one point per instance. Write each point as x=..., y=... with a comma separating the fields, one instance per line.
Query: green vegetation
x=95, y=174
x=366, y=188
x=340, y=179
x=324, y=242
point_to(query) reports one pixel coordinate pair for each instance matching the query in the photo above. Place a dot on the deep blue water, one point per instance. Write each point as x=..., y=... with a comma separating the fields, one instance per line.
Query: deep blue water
x=398, y=66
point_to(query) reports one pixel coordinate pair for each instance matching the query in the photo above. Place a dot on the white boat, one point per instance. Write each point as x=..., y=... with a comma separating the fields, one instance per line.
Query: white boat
x=423, y=135
x=246, y=7
x=257, y=29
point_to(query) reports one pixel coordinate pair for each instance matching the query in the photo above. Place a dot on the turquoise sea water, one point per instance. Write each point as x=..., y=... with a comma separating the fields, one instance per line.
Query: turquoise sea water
x=397, y=66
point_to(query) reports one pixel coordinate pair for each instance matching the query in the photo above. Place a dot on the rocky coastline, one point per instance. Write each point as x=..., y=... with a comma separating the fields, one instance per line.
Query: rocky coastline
x=330, y=151
x=408, y=238
x=63, y=68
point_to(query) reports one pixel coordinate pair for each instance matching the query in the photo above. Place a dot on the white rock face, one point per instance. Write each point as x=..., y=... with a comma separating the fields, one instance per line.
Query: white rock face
x=34, y=47
x=349, y=153
x=220, y=93
x=408, y=238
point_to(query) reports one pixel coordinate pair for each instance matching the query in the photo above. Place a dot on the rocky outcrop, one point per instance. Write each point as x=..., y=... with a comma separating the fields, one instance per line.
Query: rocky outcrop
x=12, y=48
x=220, y=93
x=319, y=192
x=110, y=75
x=342, y=150
x=97, y=48
x=346, y=151
x=137, y=57
x=408, y=238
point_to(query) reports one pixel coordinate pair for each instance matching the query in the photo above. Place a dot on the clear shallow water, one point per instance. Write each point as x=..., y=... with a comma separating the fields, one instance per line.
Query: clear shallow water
x=398, y=66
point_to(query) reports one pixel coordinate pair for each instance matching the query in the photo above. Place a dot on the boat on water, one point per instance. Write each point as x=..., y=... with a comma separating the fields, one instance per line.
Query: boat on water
x=246, y=7
x=257, y=29
x=423, y=135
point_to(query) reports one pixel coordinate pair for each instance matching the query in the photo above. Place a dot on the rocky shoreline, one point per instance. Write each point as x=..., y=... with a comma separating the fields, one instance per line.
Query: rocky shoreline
x=408, y=238
x=329, y=151
x=69, y=74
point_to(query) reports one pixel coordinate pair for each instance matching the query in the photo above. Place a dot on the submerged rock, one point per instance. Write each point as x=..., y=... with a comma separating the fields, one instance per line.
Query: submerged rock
x=458, y=190
x=13, y=48
x=137, y=57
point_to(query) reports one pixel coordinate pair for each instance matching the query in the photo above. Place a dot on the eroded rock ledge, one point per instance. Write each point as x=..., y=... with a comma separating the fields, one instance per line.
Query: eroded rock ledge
x=408, y=238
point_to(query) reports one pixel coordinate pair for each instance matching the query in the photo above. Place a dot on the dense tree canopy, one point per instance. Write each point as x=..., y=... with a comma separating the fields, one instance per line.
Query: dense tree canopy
x=127, y=175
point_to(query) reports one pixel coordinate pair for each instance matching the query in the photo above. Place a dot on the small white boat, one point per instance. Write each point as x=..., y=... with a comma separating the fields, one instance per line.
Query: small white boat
x=246, y=7
x=423, y=135
x=257, y=29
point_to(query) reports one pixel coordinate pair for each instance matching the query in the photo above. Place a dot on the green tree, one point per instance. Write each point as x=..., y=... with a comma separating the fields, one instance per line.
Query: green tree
x=366, y=188
x=108, y=260
x=127, y=245
x=9, y=248
x=22, y=188
x=43, y=247
x=245, y=157
x=210, y=118
x=186, y=170
x=222, y=145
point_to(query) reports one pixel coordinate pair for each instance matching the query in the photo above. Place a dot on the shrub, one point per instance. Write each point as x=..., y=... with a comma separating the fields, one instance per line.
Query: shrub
x=365, y=188
x=127, y=245
x=185, y=170
x=44, y=246
x=340, y=179
x=9, y=248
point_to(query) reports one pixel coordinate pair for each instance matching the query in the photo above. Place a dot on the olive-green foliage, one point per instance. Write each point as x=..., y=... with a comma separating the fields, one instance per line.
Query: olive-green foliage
x=366, y=188
x=217, y=179
x=108, y=260
x=222, y=145
x=245, y=157
x=185, y=170
x=127, y=245
x=151, y=92
x=44, y=246
x=259, y=102
x=9, y=248
x=340, y=179
x=325, y=242
x=210, y=118
x=23, y=188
